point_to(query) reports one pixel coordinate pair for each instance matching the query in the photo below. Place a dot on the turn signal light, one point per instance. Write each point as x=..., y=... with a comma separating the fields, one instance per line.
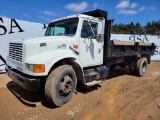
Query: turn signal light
x=38, y=68
x=75, y=46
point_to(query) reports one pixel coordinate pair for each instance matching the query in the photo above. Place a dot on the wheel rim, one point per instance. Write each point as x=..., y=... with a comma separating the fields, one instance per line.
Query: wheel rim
x=144, y=67
x=66, y=86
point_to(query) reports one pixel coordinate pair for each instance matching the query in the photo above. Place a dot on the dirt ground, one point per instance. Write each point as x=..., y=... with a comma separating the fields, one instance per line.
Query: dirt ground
x=120, y=97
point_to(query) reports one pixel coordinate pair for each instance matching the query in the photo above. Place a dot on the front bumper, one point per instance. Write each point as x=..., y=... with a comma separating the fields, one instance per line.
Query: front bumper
x=25, y=82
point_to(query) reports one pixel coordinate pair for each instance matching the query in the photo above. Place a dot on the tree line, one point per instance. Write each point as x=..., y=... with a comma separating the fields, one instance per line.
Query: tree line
x=151, y=28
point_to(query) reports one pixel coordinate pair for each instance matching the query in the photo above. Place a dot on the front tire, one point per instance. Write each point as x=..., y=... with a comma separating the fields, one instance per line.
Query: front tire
x=60, y=85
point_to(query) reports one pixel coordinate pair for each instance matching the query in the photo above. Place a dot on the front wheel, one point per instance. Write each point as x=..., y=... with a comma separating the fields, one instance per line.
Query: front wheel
x=60, y=85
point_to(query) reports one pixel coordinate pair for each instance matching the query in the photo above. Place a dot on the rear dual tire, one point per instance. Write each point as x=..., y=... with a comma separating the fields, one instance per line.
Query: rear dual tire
x=140, y=68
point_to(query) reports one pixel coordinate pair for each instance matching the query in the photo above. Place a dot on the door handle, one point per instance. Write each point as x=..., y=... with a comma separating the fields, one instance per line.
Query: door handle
x=99, y=50
x=84, y=41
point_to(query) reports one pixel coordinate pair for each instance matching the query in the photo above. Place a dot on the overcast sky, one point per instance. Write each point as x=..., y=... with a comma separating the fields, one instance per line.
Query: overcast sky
x=42, y=11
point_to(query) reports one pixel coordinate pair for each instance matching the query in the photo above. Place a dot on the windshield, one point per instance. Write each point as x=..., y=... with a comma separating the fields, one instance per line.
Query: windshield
x=65, y=27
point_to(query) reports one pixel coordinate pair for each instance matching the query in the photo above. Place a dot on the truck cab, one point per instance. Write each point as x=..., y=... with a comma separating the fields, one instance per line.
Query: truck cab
x=75, y=49
x=81, y=30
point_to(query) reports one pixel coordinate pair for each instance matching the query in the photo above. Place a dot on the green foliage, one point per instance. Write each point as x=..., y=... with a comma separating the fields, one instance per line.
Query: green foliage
x=151, y=28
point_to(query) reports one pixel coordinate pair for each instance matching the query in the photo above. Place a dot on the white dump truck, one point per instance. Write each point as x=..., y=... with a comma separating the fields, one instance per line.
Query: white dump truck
x=75, y=49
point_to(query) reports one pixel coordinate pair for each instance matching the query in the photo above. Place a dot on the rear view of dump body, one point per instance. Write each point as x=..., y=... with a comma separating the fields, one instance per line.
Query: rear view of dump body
x=125, y=53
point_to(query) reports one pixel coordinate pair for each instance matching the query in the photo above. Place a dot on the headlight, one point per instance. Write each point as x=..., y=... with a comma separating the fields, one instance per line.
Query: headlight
x=36, y=68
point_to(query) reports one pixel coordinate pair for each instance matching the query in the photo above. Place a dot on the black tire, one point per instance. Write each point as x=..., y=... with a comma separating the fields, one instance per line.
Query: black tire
x=141, y=66
x=60, y=85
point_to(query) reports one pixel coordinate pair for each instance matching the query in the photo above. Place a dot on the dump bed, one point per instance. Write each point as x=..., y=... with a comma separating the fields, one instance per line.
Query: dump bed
x=125, y=51
x=128, y=48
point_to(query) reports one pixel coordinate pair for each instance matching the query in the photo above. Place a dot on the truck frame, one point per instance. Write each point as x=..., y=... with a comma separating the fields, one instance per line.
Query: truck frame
x=75, y=50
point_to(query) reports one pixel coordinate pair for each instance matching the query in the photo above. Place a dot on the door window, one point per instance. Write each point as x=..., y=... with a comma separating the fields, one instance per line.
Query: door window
x=89, y=29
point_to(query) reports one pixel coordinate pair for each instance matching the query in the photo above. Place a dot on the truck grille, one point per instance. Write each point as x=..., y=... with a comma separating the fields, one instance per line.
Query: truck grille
x=15, y=51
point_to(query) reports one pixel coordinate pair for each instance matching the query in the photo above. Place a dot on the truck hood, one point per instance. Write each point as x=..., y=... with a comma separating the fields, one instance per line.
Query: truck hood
x=22, y=40
x=36, y=46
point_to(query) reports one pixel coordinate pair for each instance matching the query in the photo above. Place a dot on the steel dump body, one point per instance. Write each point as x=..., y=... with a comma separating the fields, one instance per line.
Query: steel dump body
x=126, y=52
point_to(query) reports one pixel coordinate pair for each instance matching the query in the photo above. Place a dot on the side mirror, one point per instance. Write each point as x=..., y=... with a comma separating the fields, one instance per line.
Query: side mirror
x=101, y=25
x=100, y=30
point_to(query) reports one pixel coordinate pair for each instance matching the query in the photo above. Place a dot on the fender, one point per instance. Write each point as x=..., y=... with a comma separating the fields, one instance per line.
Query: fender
x=49, y=59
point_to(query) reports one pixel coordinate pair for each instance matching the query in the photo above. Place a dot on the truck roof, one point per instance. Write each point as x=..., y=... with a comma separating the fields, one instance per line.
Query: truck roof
x=73, y=16
x=90, y=14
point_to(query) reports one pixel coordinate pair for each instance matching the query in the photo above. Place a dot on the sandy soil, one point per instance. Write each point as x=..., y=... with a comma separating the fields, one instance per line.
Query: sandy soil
x=120, y=97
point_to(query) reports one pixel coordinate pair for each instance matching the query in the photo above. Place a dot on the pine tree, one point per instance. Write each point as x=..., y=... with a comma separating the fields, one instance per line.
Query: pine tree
x=151, y=28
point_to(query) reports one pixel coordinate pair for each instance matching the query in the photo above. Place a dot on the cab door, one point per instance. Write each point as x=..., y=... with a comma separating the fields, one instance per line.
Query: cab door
x=91, y=52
